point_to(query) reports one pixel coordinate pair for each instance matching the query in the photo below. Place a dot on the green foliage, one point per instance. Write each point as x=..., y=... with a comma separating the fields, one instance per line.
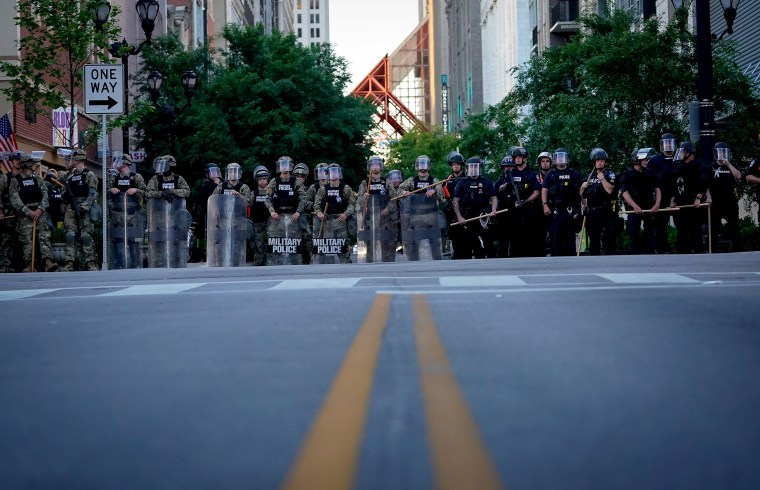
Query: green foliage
x=58, y=39
x=266, y=97
x=618, y=84
x=750, y=233
x=433, y=143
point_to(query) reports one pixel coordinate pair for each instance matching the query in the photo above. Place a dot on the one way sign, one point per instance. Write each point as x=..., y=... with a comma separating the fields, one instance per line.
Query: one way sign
x=104, y=89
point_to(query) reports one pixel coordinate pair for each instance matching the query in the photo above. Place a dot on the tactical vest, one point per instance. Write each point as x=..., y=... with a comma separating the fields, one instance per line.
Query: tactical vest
x=124, y=182
x=377, y=187
x=641, y=187
x=525, y=180
x=284, y=198
x=259, y=211
x=227, y=188
x=507, y=198
x=595, y=194
x=336, y=204
x=563, y=189
x=423, y=205
x=78, y=184
x=167, y=185
x=474, y=199
x=29, y=190
x=689, y=183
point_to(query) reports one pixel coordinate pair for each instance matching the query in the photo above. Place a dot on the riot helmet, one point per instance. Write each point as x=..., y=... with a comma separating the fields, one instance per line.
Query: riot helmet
x=284, y=164
x=17, y=155
x=334, y=171
x=233, y=172
x=260, y=172
x=395, y=176
x=642, y=155
x=519, y=151
x=668, y=144
x=561, y=157
x=507, y=161
x=301, y=170
x=598, y=154
x=171, y=160
x=455, y=157
x=721, y=152
x=161, y=165
x=213, y=171
x=375, y=161
x=687, y=147
x=422, y=163
x=473, y=167
x=26, y=162
x=76, y=156
x=320, y=172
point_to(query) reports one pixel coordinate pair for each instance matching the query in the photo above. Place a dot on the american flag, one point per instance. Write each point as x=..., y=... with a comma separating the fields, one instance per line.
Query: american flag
x=7, y=141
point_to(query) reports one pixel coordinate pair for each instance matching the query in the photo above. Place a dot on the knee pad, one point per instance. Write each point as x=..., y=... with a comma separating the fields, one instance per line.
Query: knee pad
x=86, y=240
x=70, y=238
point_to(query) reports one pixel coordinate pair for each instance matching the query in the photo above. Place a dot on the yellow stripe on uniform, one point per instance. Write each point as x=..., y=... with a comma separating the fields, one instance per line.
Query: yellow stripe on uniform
x=460, y=460
x=328, y=457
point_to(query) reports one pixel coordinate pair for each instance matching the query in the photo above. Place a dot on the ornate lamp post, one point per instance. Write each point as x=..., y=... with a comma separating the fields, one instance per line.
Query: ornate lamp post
x=154, y=82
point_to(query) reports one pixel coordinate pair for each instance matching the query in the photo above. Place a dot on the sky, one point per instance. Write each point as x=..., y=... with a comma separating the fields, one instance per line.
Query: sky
x=363, y=31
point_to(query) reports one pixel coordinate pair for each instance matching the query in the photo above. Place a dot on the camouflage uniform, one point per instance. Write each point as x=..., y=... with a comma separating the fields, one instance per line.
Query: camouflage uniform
x=282, y=201
x=125, y=211
x=419, y=216
x=7, y=226
x=378, y=202
x=80, y=194
x=340, y=199
x=27, y=194
x=169, y=187
x=309, y=211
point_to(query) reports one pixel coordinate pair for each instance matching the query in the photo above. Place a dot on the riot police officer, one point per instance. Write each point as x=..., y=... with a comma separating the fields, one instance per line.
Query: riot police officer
x=286, y=200
x=419, y=211
x=662, y=166
x=722, y=180
x=600, y=193
x=28, y=195
x=8, y=237
x=260, y=215
x=475, y=196
x=375, y=209
x=202, y=190
x=339, y=203
x=523, y=219
x=544, y=163
x=306, y=220
x=80, y=195
x=560, y=196
x=641, y=195
x=457, y=234
x=688, y=187
x=126, y=193
x=168, y=218
x=232, y=184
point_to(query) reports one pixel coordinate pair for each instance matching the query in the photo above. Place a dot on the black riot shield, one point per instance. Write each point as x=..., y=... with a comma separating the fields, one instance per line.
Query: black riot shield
x=376, y=233
x=167, y=233
x=226, y=230
x=125, y=232
x=284, y=241
x=420, y=228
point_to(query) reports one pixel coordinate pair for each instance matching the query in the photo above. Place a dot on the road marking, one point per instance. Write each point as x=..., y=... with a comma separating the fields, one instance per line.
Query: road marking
x=329, y=455
x=469, y=281
x=22, y=293
x=460, y=459
x=327, y=283
x=648, y=278
x=153, y=289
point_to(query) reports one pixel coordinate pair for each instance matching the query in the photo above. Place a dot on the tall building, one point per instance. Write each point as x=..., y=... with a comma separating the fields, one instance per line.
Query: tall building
x=312, y=21
x=465, y=77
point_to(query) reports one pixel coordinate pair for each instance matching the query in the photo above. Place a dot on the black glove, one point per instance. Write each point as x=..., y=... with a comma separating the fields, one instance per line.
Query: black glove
x=168, y=195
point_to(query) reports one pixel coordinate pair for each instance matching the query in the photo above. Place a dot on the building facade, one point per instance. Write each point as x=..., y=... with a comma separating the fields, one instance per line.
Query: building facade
x=312, y=21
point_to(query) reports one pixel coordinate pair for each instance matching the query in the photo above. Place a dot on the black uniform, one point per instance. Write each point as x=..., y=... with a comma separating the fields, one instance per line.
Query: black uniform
x=662, y=167
x=456, y=234
x=642, y=186
x=564, y=201
x=474, y=195
x=520, y=228
x=601, y=212
x=725, y=203
x=687, y=182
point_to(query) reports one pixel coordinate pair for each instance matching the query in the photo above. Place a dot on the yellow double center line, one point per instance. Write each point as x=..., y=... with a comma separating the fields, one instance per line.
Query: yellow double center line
x=328, y=457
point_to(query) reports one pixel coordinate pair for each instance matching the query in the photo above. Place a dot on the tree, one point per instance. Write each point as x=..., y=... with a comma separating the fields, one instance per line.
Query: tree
x=58, y=37
x=618, y=84
x=266, y=97
x=433, y=143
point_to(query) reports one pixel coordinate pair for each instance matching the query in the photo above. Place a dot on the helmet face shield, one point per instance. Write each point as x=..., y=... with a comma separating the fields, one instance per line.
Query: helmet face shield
x=561, y=157
x=473, y=169
x=321, y=173
x=284, y=164
x=233, y=171
x=678, y=157
x=160, y=165
x=375, y=163
x=668, y=146
x=335, y=173
x=722, y=154
x=422, y=163
x=395, y=176
x=214, y=173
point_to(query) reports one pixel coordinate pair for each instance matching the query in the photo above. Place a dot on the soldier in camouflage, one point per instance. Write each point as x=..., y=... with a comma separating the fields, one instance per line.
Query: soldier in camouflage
x=126, y=196
x=28, y=195
x=232, y=184
x=167, y=185
x=339, y=202
x=301, y=172
x=286, y=197
x=7, y=214
x=259, y=215
x=79, y=196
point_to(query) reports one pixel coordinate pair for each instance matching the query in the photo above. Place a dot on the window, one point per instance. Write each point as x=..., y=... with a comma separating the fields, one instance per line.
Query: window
x=299, y=33
x=314, y=4
x=316, y=17
x=311, y=32
x=317, y=29
x=311, y=18
x=30, y=113
x=298, y=18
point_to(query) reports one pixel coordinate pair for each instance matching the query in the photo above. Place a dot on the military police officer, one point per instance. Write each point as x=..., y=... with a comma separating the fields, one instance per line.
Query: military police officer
x=80, y=195
x=126, y=193
x=7, y=214
x=259, y=215
x=339, y=203
x=376, y=207
x=301, y=173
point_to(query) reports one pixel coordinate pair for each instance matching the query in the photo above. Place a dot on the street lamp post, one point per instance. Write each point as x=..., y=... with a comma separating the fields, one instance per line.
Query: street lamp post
x=705, y=95
x=147, y=11
x=155, y=80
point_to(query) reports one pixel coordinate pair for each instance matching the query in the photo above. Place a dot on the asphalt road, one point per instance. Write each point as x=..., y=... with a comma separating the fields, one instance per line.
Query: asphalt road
x=590, y=372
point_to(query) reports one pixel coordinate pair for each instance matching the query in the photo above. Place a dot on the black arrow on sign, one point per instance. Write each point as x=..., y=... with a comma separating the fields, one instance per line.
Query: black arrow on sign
x=110, y=102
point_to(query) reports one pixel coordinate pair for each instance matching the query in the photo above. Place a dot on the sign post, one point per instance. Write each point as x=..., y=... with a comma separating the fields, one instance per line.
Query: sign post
x=104, y=94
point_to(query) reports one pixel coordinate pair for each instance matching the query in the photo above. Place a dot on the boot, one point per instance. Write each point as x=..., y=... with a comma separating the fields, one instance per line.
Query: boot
x=50, y=266
x=69, y=266
x=91, y=266
x=29, y=268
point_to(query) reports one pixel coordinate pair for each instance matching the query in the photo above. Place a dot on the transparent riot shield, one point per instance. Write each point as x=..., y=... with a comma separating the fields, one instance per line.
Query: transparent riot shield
x=330, y=241
x=125, y=232
x=420, y=228
x=226, y=230
x=376, y=233
x=284, y=241
x=167, y=233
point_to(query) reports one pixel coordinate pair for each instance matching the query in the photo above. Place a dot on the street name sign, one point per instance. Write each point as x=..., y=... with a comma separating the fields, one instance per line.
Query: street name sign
x=104, y=89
